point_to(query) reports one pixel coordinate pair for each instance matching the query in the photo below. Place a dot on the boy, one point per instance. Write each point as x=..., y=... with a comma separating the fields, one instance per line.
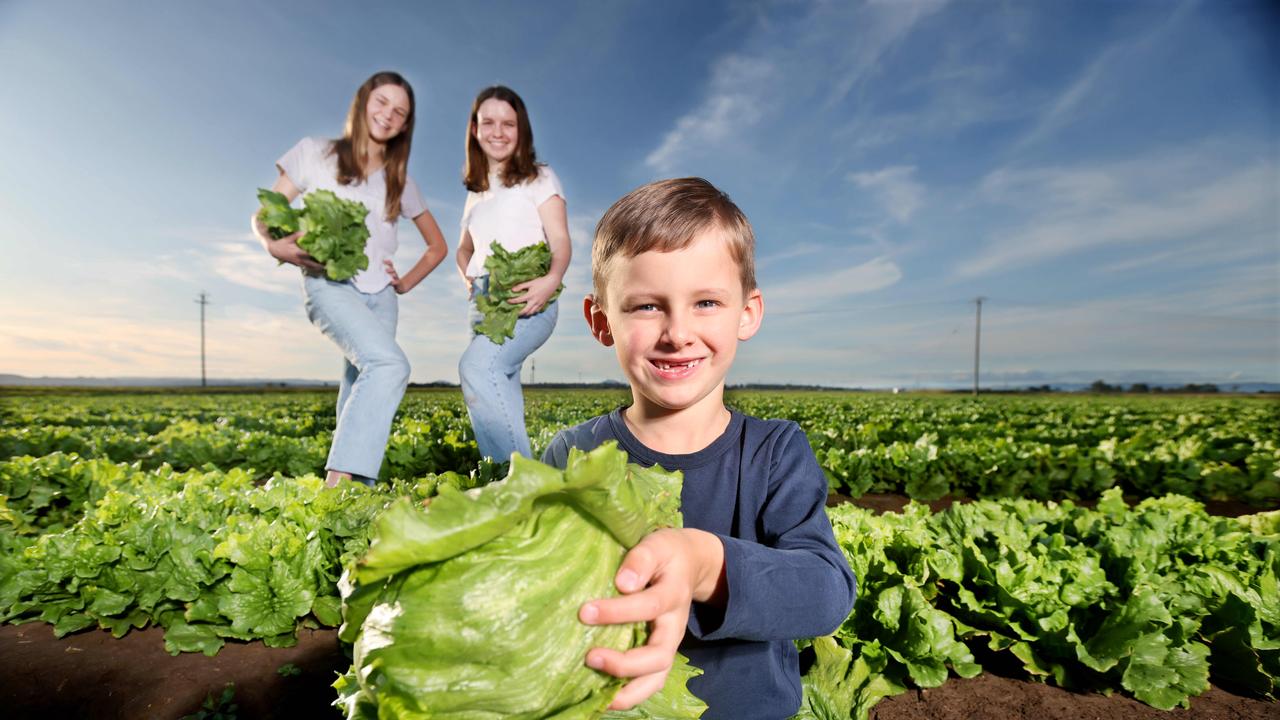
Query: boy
x=756, y=564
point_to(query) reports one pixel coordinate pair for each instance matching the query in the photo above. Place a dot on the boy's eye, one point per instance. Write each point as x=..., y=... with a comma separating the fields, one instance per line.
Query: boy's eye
x=645, y=307
x=708, y=303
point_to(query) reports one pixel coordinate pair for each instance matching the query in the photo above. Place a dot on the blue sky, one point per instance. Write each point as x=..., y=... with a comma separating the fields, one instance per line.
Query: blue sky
x=1106, y=174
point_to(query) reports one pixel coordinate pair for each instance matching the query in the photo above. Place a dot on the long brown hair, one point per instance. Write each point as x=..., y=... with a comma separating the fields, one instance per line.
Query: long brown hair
x=523, y=163
x=352, y=149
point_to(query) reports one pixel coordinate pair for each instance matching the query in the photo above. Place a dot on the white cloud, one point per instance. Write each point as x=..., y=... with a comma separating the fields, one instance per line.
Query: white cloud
x=244, y=262
x=736, y=101
x=896, y=189
x=814, y=61
x=577, y=279
x=1196, y=255
x=1069, y=103
x=1072, y=210
x=793, y=250
x=798, y=295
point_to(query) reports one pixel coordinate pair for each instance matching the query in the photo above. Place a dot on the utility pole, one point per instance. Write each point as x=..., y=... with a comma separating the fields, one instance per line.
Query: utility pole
x=202, y=301
x=977, y=343
x=533, y=371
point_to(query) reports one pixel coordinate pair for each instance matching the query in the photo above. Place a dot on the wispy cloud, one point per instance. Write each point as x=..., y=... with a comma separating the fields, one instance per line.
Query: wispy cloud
x=794, y=250
x=895, y=187
x=577, y=281
x=244, y=262
x=736, y=101
x=807, y=293
x=1071, y=101
x=1070, y=210
x=813, y=61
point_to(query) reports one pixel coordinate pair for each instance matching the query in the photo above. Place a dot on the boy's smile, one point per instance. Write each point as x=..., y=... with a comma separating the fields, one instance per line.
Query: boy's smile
x=675, y=319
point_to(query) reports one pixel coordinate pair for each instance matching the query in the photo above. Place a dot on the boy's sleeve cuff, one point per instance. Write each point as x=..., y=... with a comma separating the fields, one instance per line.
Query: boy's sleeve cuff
x=712, y=623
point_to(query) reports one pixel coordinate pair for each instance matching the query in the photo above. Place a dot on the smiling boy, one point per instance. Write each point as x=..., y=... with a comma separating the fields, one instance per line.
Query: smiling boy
x=756, y=565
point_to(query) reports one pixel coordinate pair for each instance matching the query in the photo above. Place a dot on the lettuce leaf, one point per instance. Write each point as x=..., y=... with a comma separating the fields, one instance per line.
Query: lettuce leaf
x=334, y=230
x=467, y=608
x=507, y=269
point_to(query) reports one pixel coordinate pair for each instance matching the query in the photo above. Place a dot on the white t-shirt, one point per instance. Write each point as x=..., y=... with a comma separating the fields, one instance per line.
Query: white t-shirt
x=508, y=215
x=310, y=166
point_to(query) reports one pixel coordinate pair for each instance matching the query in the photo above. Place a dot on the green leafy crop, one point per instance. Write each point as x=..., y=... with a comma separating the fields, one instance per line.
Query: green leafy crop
x=506, y=270
x=334, y=232
x=468, y=608
x=1151, y=599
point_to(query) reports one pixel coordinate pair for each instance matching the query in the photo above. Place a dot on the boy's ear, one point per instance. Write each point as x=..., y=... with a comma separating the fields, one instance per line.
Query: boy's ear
x=597, y=321
x=752, y=315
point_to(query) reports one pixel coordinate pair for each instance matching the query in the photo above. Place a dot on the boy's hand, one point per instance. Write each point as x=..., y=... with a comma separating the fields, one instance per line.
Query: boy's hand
x=659, y=579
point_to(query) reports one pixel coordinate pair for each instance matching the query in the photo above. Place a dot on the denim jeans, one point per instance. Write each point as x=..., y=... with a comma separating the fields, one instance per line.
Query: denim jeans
x=375, y=370
x=491, y=380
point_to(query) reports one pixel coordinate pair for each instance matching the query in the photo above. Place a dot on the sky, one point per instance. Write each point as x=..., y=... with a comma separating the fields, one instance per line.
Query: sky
x=1105, y=174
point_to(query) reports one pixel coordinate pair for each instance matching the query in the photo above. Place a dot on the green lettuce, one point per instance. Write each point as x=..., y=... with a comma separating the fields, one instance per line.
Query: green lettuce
x=334, y=231
x=506, y=270
x=468, y=608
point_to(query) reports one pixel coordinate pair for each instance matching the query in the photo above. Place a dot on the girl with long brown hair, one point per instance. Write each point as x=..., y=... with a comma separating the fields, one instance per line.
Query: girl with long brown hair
x=368, y=164
x=516, y=201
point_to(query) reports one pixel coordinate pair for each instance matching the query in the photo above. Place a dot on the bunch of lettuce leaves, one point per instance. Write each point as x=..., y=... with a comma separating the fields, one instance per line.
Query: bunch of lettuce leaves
x=208, y=555
x=506, y=270
x=333, y=229
x=1152, y=599
x=468, y=608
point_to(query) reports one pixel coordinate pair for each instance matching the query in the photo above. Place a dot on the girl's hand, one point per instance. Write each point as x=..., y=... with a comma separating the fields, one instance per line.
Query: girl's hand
x=286, y=250
x=400, y=285
x=660, y=577
x=536, y=293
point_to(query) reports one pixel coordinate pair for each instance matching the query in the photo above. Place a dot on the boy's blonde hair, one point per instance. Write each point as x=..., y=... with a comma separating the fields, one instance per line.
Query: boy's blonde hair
x=667, y=215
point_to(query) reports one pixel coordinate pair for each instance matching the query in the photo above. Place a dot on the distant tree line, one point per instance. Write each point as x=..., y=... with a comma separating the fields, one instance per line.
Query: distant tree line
x=1100, y=386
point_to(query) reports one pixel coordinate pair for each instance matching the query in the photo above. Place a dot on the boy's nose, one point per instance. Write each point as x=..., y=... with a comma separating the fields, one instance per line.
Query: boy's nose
x=677, y=330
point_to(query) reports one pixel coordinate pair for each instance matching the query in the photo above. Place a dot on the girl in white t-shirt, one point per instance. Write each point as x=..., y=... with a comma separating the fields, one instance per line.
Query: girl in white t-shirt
x=518, y=202
x=369, y=163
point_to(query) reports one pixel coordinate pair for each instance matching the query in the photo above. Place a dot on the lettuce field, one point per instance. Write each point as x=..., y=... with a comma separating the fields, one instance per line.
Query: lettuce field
x=1090, y=547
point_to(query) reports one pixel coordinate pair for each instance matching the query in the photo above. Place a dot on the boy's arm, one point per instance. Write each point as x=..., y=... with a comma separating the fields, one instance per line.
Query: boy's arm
x=794, y=582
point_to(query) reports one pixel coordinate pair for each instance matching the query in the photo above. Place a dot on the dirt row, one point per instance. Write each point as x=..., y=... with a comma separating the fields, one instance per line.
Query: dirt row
x=94, y=676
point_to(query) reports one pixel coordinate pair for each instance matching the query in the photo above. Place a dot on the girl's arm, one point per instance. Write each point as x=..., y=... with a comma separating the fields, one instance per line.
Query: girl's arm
x=538, y=291
x=286, y=248
x=436, y=250
x=466, y=248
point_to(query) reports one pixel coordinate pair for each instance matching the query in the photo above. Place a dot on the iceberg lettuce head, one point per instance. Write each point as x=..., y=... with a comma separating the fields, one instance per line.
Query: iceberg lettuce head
x=468, y=608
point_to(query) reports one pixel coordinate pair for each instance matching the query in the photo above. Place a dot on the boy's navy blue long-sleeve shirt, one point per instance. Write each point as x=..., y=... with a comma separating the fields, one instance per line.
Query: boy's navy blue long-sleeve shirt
x=759, y=489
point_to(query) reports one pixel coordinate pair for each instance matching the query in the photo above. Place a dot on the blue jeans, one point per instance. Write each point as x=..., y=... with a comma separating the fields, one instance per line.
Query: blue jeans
x=375, y=370
x=491, y=380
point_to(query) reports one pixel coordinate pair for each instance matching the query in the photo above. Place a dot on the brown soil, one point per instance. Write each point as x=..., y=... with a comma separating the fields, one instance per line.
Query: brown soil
x=93, y=676
x=991, y=697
